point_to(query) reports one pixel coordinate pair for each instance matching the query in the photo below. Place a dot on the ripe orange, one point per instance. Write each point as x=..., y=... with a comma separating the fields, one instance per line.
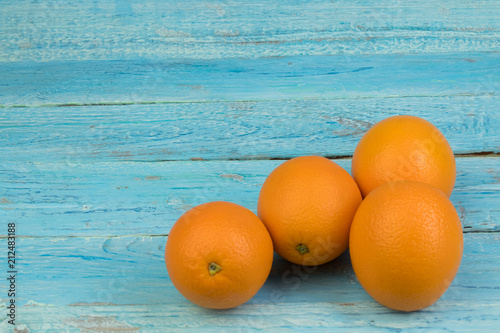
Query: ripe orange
x=218, y=255
x=406, y=244
x=307, y=204
x=403, y=148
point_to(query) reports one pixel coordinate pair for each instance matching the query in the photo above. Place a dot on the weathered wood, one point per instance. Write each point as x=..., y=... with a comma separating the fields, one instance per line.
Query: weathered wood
x=233, y=130
x=277, y=78
x=122, y=29
x=67, y=283
x=106, y=199
x=280, y=317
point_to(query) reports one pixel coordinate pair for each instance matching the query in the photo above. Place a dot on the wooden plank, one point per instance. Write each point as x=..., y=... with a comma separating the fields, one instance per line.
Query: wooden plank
x=233, y=130
x=106, y=199
x=280, y=317
x=122, y=282
x=277, y=78
x=121, y=29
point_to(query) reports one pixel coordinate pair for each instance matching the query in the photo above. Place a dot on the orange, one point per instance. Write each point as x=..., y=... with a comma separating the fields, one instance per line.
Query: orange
x=406, y=244
x=403, y=148
x=218, y=255
x=307, y=204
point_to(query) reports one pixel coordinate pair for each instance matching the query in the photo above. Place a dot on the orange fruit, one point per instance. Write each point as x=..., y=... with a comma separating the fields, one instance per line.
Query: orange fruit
x=403, y=148
x=307, y=204
x=406, y=244
x=218, y=255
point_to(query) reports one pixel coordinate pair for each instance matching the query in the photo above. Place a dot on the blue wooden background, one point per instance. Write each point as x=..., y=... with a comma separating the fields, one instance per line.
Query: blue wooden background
x=118, y=116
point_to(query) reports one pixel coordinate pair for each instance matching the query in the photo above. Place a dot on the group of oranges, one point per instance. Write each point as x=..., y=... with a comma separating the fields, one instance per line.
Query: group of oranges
x=404, y=235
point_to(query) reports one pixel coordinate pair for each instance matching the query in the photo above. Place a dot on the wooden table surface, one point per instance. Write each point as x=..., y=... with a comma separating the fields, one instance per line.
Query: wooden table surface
x=118, y=116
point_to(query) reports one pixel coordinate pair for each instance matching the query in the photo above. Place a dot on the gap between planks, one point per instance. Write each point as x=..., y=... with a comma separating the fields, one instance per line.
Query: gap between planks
x=125, y=103
x=166, y=235
x=286, y=158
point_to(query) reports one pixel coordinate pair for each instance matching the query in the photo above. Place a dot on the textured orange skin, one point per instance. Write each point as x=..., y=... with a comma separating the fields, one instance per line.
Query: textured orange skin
x=309, y=200
x=229, y=235
x=406, y=244
x=403, y=148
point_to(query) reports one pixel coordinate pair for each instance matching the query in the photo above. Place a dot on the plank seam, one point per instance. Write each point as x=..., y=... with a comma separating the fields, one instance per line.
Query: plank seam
x=166, y=235
x=105, y=103
x=285, y=158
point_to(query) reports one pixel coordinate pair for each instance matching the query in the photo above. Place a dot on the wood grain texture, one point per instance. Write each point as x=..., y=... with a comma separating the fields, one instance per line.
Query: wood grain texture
x=123, y=29
x=233, y=130
x=277, y=78
x=279, y=317
x=122, y=282
x=106, y=199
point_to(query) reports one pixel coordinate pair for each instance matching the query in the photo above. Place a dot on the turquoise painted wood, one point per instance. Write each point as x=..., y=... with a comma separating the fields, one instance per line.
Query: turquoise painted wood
x=118, y=116
x=122, y=282
x=123, y=29
x=233, y=130
x=107, y=199
x=276, y=78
